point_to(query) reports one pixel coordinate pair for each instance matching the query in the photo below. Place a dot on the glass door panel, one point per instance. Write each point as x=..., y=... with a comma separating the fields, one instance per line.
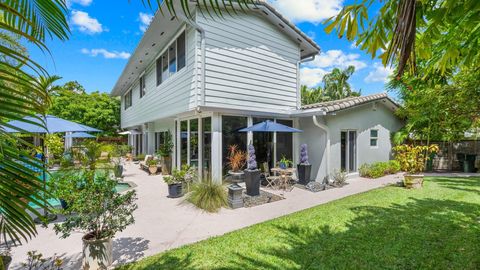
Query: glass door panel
x=263, y=143
x=193, y=142
x=285, y=141
x=183, y=142
x=348, y=151
x=207, y=147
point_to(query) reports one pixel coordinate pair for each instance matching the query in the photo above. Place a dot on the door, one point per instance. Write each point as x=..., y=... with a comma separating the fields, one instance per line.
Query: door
x=348, y=155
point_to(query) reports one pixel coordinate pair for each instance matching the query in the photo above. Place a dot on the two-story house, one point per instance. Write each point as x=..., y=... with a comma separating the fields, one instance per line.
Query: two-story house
x=205, y=78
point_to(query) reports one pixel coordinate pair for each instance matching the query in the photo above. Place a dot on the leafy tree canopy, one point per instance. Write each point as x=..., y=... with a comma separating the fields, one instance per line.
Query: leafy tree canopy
x=445, y=34
x=96, y=109
x=335, y=86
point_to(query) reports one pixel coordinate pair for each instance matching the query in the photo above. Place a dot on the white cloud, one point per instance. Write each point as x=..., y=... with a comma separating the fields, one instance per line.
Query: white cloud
x=314, y=11
x=106, y=54
x=84, y=3
x=312, y=72
x=145, y=20
x=379, y=73
x=85, y=23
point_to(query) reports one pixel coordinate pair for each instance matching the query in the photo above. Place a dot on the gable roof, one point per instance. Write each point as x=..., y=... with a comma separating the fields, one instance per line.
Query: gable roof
x=347, y=103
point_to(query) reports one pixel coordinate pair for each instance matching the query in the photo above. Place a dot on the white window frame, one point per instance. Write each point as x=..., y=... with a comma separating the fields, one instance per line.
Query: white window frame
x=125, y=107
x=159, y=55
x=373, y=138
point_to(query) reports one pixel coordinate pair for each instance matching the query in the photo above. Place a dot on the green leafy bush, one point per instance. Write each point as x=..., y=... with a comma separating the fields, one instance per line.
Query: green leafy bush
x=379, y=169
x=208, y=196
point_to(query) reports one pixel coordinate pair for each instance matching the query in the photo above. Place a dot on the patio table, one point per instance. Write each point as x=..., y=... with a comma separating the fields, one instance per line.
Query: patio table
x=285, y=176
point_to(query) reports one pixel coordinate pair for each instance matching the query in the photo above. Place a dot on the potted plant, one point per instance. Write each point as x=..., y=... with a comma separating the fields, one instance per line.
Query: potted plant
x=252, y=174
x=152, y=166
x=304, y=167
x=236, y=161
x=412, y=161
x=165, y=152
x=285, y=163
x=100, y=212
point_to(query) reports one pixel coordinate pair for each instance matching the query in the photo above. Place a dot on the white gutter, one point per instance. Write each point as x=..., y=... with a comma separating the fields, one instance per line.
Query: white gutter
x=202, y=69
x=327, y=145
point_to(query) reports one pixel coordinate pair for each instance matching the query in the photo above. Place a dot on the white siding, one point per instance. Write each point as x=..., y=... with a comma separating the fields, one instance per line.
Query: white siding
x=175, y=95
x=250, y=64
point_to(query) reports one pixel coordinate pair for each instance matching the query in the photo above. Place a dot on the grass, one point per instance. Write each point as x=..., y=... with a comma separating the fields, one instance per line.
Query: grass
x=437, y=227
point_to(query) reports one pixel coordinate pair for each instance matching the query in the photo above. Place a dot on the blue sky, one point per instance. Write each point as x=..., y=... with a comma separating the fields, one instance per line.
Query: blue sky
x=104, y=35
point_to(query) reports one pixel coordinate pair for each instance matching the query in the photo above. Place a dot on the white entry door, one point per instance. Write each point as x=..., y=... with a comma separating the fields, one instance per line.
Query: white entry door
x=348, y=156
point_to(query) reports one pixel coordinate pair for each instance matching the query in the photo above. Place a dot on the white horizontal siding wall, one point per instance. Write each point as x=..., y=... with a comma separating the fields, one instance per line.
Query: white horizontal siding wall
x=250, y=64
x=175, y=95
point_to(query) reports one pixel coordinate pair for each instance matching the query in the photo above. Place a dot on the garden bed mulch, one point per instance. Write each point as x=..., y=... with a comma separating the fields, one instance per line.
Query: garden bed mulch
x=263, y=198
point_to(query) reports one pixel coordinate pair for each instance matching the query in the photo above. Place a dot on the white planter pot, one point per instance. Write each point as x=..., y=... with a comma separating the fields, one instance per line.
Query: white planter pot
x=97, y=254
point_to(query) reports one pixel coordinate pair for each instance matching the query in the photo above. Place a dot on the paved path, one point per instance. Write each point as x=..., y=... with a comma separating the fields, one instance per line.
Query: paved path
x=163, y=223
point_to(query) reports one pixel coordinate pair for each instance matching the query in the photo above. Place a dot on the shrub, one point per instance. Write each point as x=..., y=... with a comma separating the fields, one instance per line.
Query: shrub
x=208, y=196
x=379, y=169
x=412, y=158
x=339, y=177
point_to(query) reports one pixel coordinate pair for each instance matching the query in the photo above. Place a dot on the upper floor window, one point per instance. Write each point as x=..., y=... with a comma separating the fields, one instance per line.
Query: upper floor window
x=374, y=137
x=142, y=86
x=127, y=99
x=172, y=60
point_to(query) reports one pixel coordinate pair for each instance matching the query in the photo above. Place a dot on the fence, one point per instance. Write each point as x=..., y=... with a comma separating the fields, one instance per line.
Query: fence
x=447, y=158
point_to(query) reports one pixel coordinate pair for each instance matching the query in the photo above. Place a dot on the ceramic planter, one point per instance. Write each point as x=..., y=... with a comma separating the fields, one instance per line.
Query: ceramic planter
x=97, y=253
x=252, y=182
x=118, y=171
x=282, y=165
x=153, y=169
x=6, y=260
x=175, y=190
x=304, y=173
x=413, y=180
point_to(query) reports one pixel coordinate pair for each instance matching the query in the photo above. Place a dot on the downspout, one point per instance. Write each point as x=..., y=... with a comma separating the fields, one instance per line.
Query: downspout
x=327, y=143
x=202, y=69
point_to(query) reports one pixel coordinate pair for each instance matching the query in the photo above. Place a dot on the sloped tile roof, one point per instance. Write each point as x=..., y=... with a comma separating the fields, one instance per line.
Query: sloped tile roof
x=342, y=104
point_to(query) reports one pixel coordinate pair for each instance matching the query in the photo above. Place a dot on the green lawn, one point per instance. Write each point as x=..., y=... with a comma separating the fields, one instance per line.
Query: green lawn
x=437, y=227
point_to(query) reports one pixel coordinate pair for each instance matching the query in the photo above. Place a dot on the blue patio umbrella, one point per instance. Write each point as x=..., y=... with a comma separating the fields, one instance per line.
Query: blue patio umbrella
x=79, y=135
x=52, y=123
x=270, y=126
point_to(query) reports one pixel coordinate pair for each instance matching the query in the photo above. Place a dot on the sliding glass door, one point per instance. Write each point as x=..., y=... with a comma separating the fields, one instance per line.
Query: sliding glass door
x=195, y=135
x=348, y=150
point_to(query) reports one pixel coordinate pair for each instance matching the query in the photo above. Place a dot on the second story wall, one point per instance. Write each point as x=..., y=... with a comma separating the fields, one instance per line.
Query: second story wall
x=250, y=64
x=174, y=95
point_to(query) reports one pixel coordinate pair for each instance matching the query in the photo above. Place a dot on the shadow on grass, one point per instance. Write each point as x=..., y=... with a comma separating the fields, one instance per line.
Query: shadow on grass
x=423, y=234
x=470, y=184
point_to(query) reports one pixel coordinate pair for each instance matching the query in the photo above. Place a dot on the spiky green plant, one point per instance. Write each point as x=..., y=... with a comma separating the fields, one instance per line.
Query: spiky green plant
x=208, y=196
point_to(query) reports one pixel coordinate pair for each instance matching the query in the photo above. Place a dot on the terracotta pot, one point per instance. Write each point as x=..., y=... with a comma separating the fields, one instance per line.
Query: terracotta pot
x=97, y=253
x=413, y=180
x=153, y=169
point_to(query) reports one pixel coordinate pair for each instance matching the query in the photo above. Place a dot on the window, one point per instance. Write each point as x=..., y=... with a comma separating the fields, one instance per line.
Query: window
x=142, y=86
x=172, y=56
x=374, y=137
x=160, y=139
x=172, y=60
x=127, y=99
x=159, y=70
x=181, y=51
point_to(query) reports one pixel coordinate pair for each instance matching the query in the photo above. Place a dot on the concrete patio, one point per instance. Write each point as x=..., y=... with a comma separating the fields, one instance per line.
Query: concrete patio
x=163, y=223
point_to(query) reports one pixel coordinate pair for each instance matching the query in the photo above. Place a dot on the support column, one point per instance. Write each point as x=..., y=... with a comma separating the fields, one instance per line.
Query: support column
x=217, y=148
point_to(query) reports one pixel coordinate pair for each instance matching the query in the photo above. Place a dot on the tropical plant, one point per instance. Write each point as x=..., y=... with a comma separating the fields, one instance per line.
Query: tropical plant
x=413, y=158
x=285, y=161
x=185, y=175
x=22, y=95
x=252, y=162
x=335, y=86
x=304, y=154
x=152, y=162
x=97, y=209
x=54, y=144
x=208, y=196
x=165, y=149
x=36, y=261
x=442, y=33
x=236, y=158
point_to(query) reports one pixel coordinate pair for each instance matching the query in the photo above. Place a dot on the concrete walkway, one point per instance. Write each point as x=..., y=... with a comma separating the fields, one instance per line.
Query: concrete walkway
x=163, y=223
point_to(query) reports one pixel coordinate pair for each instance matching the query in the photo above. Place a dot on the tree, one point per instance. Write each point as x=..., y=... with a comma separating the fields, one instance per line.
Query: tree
x=442, y=111
x=22, y=95
x=443, y=33
x=335, y=86
x=96, y=109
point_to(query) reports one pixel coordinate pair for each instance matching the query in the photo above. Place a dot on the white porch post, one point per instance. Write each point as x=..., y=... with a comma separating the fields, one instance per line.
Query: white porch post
x=178, y=140
x=217, y=148
x=249, y=134
x=200, y=148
